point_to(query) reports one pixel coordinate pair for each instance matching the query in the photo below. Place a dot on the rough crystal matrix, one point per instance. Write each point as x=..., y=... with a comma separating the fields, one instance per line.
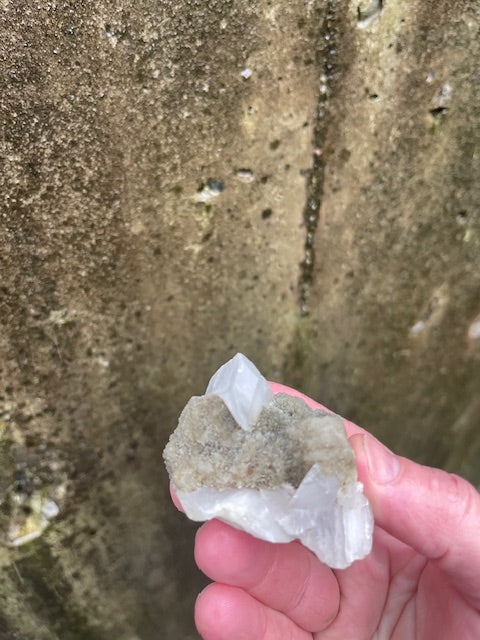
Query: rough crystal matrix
x=269, y=465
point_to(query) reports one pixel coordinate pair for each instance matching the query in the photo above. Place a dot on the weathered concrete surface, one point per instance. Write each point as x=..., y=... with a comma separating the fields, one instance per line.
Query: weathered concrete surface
x=341, y=256
x=395, y=301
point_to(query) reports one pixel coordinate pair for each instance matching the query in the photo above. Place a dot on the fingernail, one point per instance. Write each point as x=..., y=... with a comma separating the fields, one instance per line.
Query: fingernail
x=382, y=463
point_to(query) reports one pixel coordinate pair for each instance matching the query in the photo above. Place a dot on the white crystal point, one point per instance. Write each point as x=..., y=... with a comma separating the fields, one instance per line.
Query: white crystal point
x=335, y=523
x=242, y=388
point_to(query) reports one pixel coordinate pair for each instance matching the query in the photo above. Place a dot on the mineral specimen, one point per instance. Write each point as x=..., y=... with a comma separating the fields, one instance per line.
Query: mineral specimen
x=269, y=465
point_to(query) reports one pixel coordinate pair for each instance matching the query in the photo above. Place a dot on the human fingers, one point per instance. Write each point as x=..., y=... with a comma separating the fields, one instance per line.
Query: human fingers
x=434, y=512
x=223, y=612
x=276, y=387
x=285, y=577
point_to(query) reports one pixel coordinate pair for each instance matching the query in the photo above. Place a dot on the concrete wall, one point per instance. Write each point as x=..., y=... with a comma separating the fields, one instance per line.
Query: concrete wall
x=298, y=181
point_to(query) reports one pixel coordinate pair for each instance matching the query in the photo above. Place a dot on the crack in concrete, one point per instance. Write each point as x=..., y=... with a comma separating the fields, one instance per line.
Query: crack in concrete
x=325, y=56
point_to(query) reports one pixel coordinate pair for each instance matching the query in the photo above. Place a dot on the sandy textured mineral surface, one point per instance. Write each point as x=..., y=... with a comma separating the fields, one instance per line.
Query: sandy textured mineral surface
x=209, y=449
x=291, y=477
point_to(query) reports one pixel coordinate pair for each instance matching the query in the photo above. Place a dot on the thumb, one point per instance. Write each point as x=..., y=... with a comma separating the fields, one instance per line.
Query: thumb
x=434, y=512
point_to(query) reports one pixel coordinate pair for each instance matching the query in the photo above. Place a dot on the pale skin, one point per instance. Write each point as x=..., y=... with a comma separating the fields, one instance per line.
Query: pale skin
x=420, y=582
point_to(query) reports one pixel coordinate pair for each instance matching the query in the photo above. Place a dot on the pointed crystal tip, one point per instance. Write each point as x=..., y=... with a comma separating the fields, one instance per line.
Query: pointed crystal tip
x=242, y=388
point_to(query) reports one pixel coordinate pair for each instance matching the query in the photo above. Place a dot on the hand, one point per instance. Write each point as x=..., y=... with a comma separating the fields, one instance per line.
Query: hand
x=422, y=579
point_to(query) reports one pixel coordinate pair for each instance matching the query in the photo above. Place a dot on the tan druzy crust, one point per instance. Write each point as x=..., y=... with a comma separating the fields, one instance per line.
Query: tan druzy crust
x=209, y=449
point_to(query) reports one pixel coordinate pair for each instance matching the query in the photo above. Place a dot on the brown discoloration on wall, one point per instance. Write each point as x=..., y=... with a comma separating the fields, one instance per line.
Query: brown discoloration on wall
x=121, y=292
x=114, y=278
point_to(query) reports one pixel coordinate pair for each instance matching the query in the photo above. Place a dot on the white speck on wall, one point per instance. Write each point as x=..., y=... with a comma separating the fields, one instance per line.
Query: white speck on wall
x=418, y=327
x=445, y=94
x=245, y=175
x=103, y=361
x=50, y=509
x=368, y=12
x=211, y=190
x=246, y=73
x=474, y=330
x=113, y=39
x=42, y=510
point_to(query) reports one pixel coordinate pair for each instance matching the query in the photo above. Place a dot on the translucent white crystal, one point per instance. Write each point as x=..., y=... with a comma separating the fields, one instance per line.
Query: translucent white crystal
x=288, y=473
x=335, y=523
x=243, y=389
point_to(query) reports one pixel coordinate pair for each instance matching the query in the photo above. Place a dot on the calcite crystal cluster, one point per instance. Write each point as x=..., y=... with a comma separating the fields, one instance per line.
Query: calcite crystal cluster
x=270, y=465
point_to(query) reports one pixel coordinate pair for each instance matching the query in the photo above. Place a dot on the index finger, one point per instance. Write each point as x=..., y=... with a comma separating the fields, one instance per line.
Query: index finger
x=285, y=577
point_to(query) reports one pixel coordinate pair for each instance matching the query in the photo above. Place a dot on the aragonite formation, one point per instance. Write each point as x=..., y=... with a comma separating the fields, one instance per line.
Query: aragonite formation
x=270, y=465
